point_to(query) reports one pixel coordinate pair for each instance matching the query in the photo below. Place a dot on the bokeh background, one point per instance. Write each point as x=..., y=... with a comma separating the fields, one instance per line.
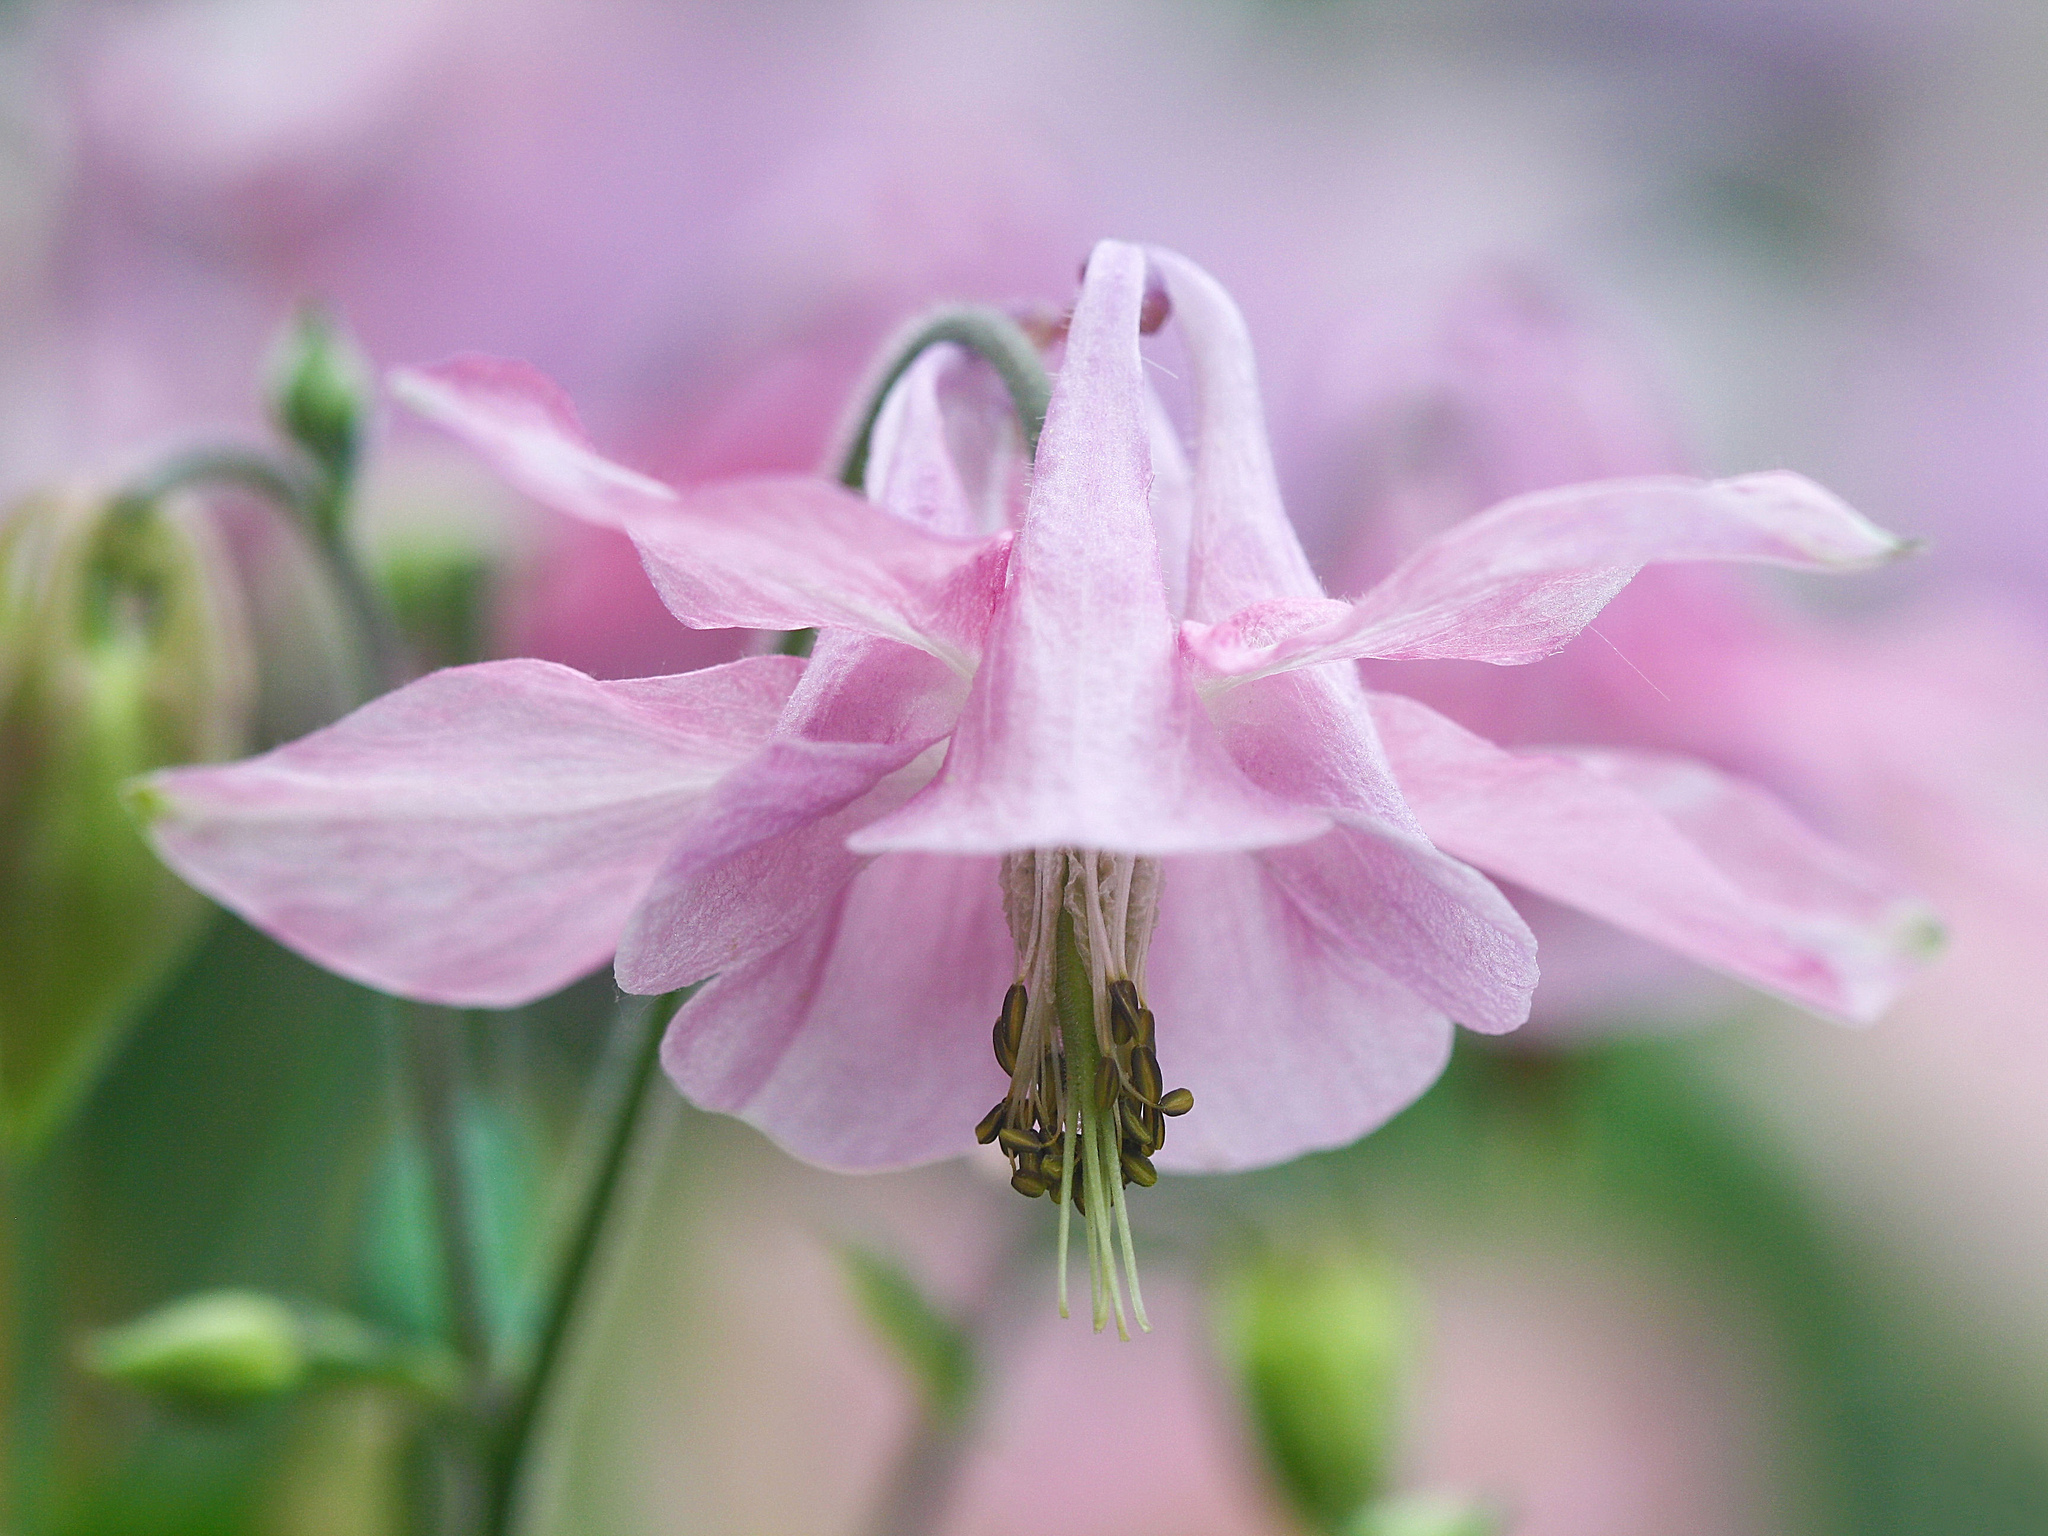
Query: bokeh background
x=1675, y=1261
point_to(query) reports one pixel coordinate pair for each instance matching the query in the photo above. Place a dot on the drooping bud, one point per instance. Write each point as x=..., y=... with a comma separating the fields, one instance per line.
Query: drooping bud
x=1320, y=1344
x=320, y=391
x=222, y=1349
x=122, y=649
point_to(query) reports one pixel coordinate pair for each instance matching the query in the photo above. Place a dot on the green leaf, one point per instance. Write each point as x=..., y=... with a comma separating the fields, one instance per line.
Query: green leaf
x=932, y=1347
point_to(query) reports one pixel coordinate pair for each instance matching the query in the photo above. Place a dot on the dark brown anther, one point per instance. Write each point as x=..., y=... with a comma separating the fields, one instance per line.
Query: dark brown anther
x=1027, y=1185
x=1145, y=1073
x=1017, y=1143
x=1010, y=1021
x=1138, y=1129
x=1138, y=1170
x=1143, y=1030
x=1006, y=1058
x=1052, y=1189
x=1105, y=1084
x=1178, y=1102
x=992, y=1122
x=1050, y=1167
x=1123, y=1009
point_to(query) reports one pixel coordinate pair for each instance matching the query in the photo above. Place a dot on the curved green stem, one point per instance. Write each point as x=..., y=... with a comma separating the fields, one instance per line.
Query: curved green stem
x=307, y=500
x=516, y=1438
x=989, y=334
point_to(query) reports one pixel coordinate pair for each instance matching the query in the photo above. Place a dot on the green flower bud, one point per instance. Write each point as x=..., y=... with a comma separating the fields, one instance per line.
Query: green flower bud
x=319, y=395
x=209, y=1351
x=1321, y=1344
x=1428, y=1514
x=226, y=1348
x=122, y=649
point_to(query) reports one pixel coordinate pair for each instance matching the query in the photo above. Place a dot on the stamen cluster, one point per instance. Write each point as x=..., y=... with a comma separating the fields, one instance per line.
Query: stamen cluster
x=1086, y=1110
x=1127, y=1082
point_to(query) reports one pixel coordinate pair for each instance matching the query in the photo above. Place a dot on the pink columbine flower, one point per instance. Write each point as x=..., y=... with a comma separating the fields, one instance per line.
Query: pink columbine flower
x=1110, y=764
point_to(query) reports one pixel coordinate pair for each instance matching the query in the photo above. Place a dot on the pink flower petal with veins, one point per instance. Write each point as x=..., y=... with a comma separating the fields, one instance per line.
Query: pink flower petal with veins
x=476, y=838
x=850, y=1043
x=1514, y=584
x=770, y=844
x=1673, y=850
x=1082, y=727
x=1289, y=1042
x=768, y=553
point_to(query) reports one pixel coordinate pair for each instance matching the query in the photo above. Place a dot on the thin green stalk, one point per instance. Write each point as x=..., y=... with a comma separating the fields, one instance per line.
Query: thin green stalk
x=988, y=333
x=519, y=1431
x=32, y=1376
x=307, y=500
x=437, y=1068
x=991, y=335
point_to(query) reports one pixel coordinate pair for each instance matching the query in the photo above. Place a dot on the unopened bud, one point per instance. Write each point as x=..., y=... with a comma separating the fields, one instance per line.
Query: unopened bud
x=1321, y=1346
x=122, y=649
x=209, y=1351
x=226, y=1348
x=1429, y=1514
x=320, y=390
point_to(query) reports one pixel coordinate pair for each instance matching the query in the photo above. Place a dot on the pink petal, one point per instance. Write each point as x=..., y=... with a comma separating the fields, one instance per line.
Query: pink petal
x=476, y=838
x=1244, y=547
x=1671, y=850
x=1082, y=727
x=863, y=1042
x=1516, y=583
x=1289, y=1043
x=911, y=469
x=769, y=553
x=769, y=846
x=521, y=423
x=790, y=553
x=1374, y=884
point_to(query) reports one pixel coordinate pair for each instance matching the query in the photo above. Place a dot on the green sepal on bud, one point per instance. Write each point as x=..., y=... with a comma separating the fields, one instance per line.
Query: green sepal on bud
x=320, y=391
x=226, y=1349
x=1428, y=1514
x=122, y=649
x=1320, y=1344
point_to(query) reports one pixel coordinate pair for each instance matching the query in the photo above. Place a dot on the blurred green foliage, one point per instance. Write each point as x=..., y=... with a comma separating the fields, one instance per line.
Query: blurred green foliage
x=1321, y=1342
x=122, y=648
x=933, y=1348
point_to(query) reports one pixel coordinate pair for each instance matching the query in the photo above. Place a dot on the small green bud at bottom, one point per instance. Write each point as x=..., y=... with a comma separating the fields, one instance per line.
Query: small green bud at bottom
x=1428, y=1514
x=209, y=1351
x=1320, y=1344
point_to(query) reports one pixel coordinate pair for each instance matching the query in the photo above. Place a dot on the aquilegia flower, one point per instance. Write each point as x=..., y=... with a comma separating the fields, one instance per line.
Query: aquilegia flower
x=1110, y=765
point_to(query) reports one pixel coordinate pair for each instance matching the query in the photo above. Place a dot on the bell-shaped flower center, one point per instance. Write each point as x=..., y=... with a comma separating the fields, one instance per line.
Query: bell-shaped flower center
x=1086, y=1109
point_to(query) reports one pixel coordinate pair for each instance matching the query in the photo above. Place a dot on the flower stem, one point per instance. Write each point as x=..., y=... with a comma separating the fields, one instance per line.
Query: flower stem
x=30, y=1421
x=437, y=1068
x=309, y=505
x=516, y=1436
x=989, y=334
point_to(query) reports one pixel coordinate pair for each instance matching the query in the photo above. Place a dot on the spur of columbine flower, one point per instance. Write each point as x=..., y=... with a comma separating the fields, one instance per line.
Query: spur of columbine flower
x=1099, y=765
